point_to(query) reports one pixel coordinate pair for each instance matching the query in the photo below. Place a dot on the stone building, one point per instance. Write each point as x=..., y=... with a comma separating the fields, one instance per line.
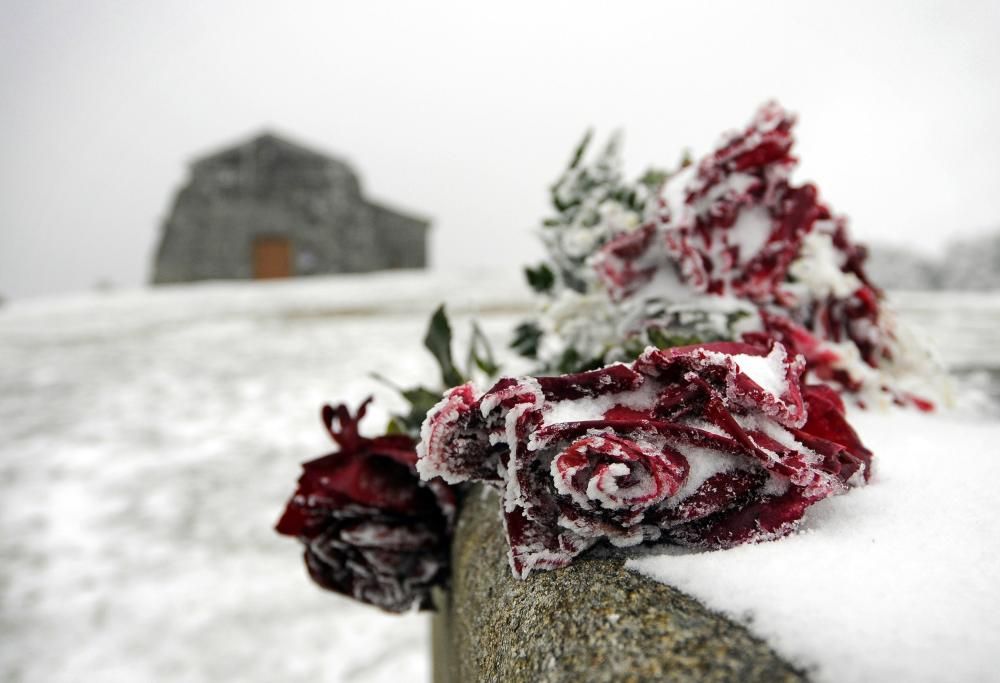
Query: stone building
x=270, y=208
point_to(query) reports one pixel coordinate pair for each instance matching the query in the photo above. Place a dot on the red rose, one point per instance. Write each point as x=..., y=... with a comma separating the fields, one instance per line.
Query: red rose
x=738, y=227
x=741, y=222
x=710, y=445
x=372, y=529
x=732, y=225
x=630, y=261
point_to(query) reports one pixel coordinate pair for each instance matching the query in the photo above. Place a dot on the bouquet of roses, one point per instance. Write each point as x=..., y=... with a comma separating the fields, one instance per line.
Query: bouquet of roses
x=697, y=331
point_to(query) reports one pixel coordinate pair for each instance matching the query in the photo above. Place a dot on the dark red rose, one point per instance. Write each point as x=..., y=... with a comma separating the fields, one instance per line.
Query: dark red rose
x=710, y=446
x=372, y=529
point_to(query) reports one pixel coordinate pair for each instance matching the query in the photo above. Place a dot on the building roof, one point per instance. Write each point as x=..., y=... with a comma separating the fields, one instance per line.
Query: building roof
x=265, y=138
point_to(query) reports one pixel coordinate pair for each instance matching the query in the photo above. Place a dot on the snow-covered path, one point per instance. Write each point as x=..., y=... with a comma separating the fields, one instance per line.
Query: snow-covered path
x=149, y=442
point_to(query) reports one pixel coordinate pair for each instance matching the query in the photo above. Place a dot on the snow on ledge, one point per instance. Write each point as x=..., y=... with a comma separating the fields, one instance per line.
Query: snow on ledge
x=899, y=580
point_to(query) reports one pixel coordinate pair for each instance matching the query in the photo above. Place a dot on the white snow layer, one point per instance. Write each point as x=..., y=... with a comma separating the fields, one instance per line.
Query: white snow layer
x=896, y=581
x=818, y=267
x=766, y=371
x=151, y=438
x=149, y=442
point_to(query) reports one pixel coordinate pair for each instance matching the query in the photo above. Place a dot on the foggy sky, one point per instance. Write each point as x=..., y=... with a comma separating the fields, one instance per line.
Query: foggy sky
x=465, y=112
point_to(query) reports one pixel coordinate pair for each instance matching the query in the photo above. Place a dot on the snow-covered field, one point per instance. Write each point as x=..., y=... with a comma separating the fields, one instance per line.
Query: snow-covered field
x=150, y=439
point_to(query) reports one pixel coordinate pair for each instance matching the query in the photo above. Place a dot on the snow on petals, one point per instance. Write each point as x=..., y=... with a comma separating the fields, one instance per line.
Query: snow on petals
x=708, y=445
x=734, y=226
x=741, y=222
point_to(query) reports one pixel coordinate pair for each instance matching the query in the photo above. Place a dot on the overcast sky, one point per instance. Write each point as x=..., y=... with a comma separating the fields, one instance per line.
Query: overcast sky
x=466, y=111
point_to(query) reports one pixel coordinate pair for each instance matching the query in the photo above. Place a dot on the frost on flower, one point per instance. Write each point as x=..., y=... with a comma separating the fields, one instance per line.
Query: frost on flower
x=708, y=446
x=729, y=248
x=583, y=322
x=591, y=202
x=372, y=529
x=741, y=221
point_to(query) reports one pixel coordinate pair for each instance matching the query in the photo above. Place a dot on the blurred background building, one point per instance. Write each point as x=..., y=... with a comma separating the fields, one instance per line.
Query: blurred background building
x=270, y=208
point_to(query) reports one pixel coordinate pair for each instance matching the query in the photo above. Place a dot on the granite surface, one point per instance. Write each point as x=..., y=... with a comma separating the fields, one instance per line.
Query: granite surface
x=592, y=621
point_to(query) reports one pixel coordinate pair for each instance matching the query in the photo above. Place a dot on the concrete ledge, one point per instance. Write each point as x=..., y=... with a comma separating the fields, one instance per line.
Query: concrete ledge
x=593, y=621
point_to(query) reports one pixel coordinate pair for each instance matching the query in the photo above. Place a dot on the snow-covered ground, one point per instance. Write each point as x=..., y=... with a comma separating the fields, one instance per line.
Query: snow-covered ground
x=150, y=439
x=896, y=581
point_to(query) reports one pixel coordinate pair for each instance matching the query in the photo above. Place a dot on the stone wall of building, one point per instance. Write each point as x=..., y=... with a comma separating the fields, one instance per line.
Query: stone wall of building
x=269, y=187
x=402, y=240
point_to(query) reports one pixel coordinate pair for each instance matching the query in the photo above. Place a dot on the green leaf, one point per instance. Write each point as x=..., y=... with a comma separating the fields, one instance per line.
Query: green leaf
x=421, y=401
x=438, y=342
x=386, y=381
x=581, y=149
x=657, y=338
x=733, y=318
x=661, y=340
x=568, y=362
x=541, y=278
x=421, y=398
x=631, y=348
x=572, y=362
x=654, y=177
x=527, y=335
x=481, y=353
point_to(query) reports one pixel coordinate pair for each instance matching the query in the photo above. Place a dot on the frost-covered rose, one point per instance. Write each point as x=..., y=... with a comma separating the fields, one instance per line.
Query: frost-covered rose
x=734, y=227
x=372, y=529
x=739, y=222
x=730, y=225
x=709, y=446
x=630, y=261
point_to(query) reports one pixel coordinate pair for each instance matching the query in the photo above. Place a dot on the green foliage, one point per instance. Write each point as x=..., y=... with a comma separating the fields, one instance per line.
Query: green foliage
x=541, y=278
x=732, y=319
x=661, y=340
x=581, y=148
x=582, y=180
x=658, y=337
x=571, y=361
x=581, y=175
x=654, y=177
x=481, y=353
x=421, y=401
x=527, y=336
x=438, y=342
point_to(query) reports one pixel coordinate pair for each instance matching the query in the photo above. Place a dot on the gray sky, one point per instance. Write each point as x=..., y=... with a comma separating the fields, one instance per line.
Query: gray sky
x=466, y=111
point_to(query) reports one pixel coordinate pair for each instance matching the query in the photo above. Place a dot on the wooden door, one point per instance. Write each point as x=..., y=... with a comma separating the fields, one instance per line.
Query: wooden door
x=272, y=257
